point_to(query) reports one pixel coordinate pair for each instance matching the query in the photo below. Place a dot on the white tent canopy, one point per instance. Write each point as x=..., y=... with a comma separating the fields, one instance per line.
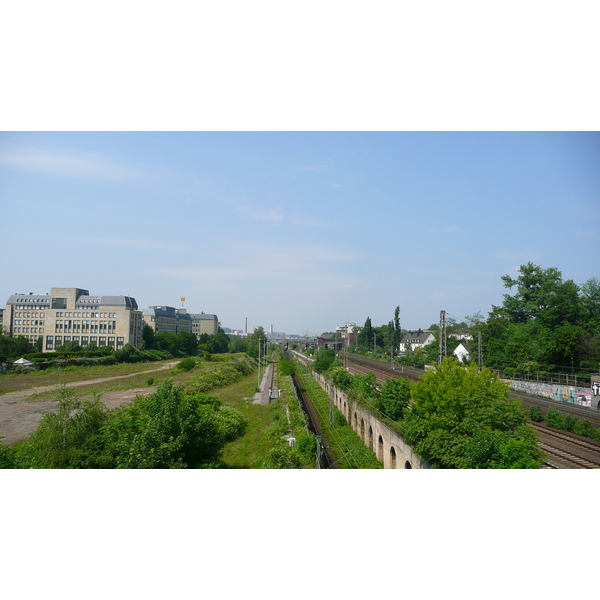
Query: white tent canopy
x=23, y=361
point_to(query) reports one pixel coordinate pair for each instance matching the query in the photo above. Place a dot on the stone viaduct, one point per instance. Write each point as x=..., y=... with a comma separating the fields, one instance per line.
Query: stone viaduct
x=388, y=445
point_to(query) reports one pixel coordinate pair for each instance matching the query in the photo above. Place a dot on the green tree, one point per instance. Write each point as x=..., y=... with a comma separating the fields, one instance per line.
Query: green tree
x=364, y=388
x=463, y=419
x=255, y=341
x=171, y=429
x=394, y=398
x=12, y=348
x=70, y=438
x=238, y=344
x=541, y=294
x=590, y=305
x=187, y=343
x=323, y=360
x=69, y=347
x=365, y=336
x=341, y=378
x=148, y=336
x=167, y=342
x=397, y=330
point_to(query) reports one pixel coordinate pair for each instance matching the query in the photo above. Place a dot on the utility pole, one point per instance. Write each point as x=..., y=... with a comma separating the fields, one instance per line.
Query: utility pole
x=479, y=354
x=374, y=342
x=442, y=350
x=330, y=405
x=319, y=451
x=259, y=365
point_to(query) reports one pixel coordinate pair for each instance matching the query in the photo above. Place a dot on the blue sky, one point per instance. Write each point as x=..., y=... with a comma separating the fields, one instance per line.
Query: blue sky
x=298, y=230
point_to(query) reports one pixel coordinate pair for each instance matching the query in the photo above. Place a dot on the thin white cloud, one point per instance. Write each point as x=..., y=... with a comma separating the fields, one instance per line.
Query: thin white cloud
x=137, y=244
x=520, y=255
x=275, y=264
x=87, y=165
x=312, y=222
x=313, y=169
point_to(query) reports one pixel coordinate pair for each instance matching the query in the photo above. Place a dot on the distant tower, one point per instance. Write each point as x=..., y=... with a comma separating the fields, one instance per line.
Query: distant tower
x=246, y=328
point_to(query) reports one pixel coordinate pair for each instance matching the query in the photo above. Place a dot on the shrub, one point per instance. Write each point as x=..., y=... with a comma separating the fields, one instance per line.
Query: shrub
x=554, y=418
x=187, y=364
x=535, y=414
x=307, y=446
x=569, y=422
x=150, y=381
x=585, y=428
x=282, y=457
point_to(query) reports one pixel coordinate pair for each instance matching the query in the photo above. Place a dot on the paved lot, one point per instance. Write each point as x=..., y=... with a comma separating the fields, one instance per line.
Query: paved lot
x=18, y=417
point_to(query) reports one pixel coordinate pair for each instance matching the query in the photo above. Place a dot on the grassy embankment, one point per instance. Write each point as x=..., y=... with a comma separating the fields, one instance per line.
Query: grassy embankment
x=349, y=450
x=268, y=426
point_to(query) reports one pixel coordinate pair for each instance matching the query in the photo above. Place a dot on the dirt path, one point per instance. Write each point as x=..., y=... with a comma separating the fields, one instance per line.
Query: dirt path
x=18, y=417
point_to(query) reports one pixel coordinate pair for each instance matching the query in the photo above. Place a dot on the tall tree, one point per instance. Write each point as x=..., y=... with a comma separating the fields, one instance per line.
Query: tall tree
x=365, y=337
x=459, y=418
x=397, y=330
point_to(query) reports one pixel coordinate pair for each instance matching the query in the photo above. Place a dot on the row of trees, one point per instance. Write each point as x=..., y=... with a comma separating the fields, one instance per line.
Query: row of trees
x=12, y=348
x=384, y=337
x=548, y=325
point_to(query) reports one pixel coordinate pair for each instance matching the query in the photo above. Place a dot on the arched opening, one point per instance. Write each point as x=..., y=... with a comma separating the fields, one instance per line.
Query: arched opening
x=380, y=449
x=407, y=465
x=362, y=430
x=370, y=437
x=392, y=457
x=355, y=421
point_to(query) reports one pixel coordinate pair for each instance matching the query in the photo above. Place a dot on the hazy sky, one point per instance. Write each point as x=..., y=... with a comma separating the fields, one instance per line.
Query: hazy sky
x=301, y=231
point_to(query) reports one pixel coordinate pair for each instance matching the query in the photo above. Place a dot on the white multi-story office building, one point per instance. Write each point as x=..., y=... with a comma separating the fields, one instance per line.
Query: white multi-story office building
x=72, y=315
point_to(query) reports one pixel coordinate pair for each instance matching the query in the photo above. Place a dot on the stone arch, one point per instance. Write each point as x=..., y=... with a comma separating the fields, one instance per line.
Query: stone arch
x=370, y=437
x=355, y=421
x=392, y=457
x=407, y=465
x=380, y=449
x=362, y=430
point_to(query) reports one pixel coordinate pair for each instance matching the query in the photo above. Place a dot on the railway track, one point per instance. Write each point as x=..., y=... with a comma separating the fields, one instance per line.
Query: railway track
x=564, y=450
x=314, y=423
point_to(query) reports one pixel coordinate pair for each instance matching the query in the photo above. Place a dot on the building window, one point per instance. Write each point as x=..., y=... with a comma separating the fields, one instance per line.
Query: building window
x=102, y=341
x=111, y=342
x=49, y=342
x=84, y=341
x=58, y=339
x=58, y=303
x=120, y=342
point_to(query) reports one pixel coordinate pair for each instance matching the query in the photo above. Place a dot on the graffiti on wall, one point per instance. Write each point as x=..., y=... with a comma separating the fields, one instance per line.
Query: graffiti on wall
x=560, y=393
